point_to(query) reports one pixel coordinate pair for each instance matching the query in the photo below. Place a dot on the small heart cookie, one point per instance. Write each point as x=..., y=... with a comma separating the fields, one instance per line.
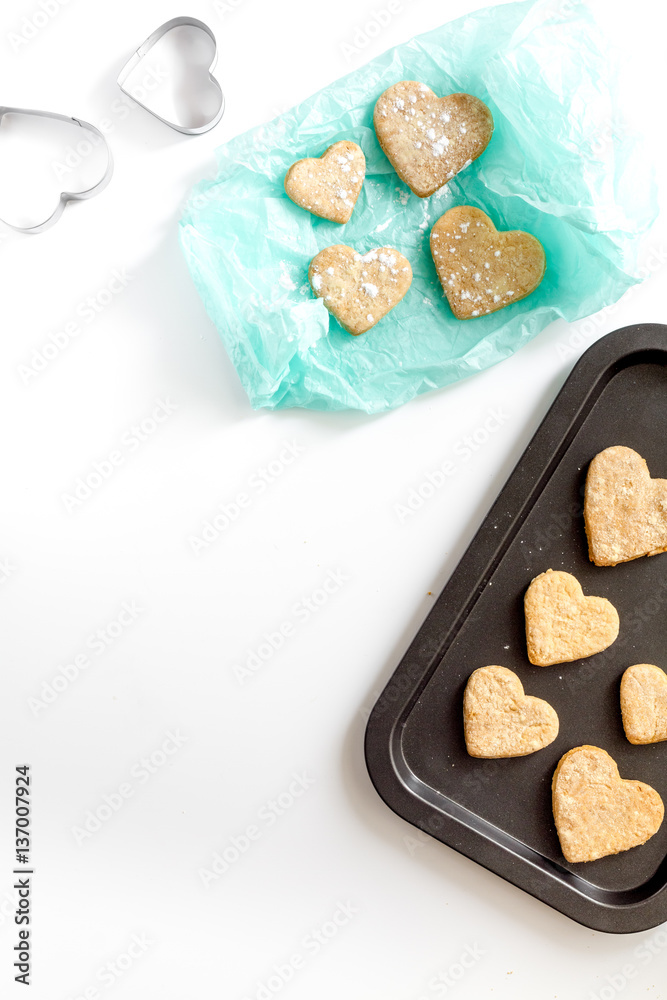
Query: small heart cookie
x=428, y=139
x=596, y=811
x=359, y=290
x=480, y=269
x=499, y=720
x=644, y=703
x=328, y=186
x=561, y=624
x=625, y=511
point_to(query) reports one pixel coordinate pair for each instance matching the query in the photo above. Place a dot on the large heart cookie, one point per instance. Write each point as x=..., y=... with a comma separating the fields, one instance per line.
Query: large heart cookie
x=563, y=625
x=480, y=269
x=596, y=811
x=359, y=290
x=428, y=139
x=644, y=703
x=499, y=720
x=625, y=511
x=328, y=186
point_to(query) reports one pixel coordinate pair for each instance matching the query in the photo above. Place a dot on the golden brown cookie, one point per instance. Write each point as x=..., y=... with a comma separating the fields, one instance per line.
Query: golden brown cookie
x=480, y=269
x=359, y=290
x=644, y=703
x=328, y=186
x=563, y=625
x=499, y=720
x=625, y=511
x=596, y=811
x=428, y=139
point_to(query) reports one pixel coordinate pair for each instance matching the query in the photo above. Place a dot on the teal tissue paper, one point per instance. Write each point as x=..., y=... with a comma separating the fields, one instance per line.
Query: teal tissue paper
x=557, y=166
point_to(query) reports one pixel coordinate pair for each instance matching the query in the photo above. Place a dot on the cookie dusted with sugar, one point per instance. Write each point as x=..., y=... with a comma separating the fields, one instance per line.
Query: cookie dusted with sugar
x=429, y=139
x=598, y=813
x=328, y=186
x=625, y=511
x=359, y=289
x=481, y=269
x=500, y=720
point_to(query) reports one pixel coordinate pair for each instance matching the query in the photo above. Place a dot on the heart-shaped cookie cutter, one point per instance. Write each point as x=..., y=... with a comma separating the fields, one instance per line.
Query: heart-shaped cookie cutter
x=133, y=62
x=65, y=196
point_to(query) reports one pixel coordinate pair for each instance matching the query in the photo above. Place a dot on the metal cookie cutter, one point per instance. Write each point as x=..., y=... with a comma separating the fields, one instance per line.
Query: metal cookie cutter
x=133, y=62
x=65, y=196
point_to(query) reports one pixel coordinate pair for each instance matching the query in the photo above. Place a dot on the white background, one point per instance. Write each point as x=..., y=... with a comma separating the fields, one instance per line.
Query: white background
x=411, y=907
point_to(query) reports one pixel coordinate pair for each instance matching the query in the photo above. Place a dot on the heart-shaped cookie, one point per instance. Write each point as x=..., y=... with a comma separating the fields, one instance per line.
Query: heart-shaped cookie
x=644, y=703
x=359, y=290
x=328, y=186
x=596, y=811
x=625, y=511
x=563, y=625
x=428, y=139
x=480, y=269
x=499, y=720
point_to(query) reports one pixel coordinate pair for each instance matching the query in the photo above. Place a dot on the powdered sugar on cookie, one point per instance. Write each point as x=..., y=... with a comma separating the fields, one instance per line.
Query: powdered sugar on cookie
x=359, y=289
x=430, y=139
x=481, y=269
x=329, y=186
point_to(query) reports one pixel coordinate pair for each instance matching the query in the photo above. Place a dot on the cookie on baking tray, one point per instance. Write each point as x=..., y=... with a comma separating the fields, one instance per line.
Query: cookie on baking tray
x=597, y=812
x=562, y=624
x=359, y=289
x=429, y=139
x=644, y=703
x=500, y=720
x=625, y=511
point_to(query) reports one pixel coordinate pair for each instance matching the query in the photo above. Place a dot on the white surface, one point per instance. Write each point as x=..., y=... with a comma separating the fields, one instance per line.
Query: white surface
x=418, y=906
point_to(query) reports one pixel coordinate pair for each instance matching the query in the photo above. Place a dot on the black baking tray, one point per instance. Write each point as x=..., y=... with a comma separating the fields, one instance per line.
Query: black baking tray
x=498, y=812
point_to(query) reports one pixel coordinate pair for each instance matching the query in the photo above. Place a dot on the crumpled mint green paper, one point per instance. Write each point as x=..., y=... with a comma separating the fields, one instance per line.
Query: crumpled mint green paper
x=557, y=166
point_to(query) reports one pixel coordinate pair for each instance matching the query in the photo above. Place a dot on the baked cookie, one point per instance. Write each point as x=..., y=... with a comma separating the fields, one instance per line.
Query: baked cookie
x=644, y=703
x=596, y=811
x=359, y=289
x=428, y=139
x=480, y=269
x=625, y=511
x=328, y=186
x=561, y=624
x=499, y=720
